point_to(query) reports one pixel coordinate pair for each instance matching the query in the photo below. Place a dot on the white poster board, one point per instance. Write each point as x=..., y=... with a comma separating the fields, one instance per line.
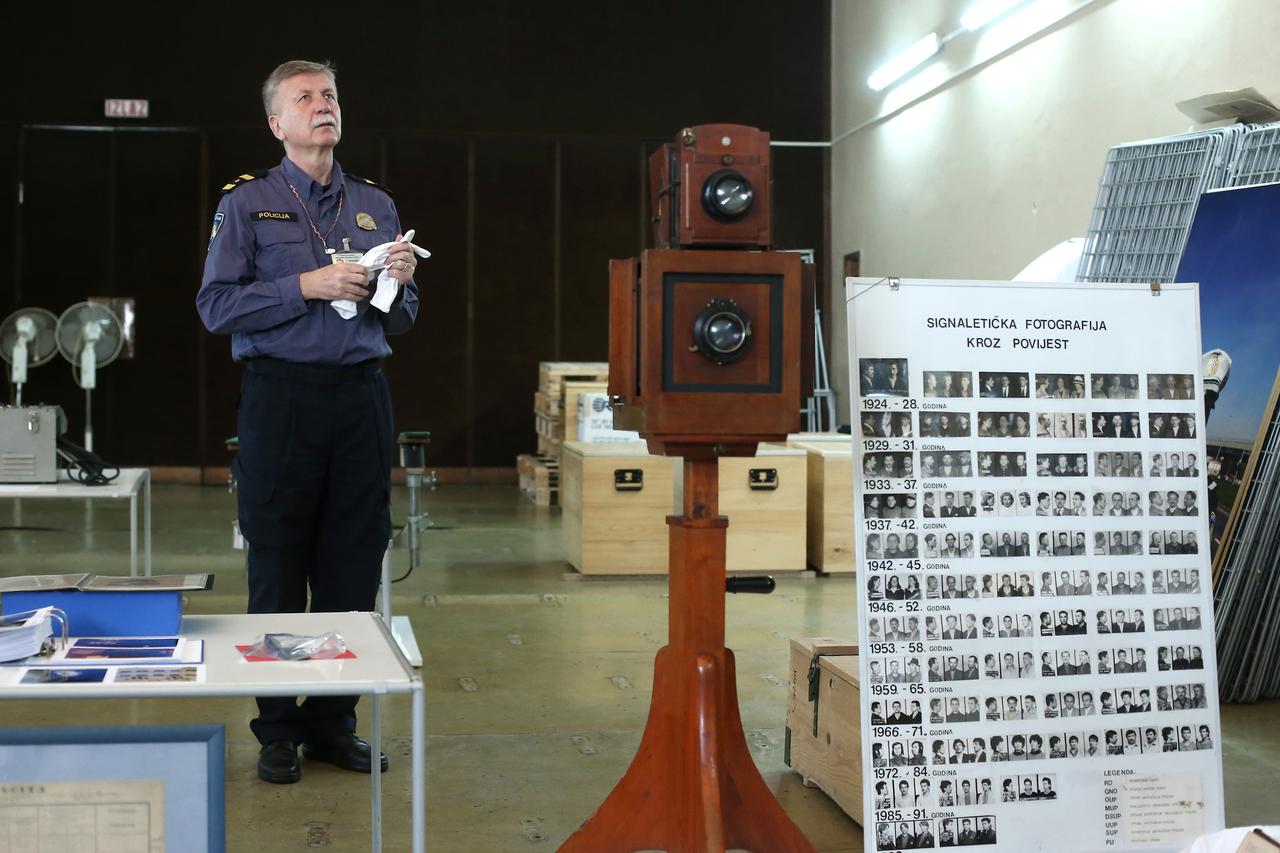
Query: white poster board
x=1035, y=608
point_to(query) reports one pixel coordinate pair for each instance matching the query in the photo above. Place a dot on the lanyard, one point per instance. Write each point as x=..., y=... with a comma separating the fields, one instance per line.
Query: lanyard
x=323, y=237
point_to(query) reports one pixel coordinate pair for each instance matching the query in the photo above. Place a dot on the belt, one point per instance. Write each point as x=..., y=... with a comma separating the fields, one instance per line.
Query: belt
x=315, y=375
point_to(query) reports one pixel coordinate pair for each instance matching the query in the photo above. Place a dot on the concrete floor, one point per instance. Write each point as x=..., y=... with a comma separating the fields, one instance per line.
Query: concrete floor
x=557, y=674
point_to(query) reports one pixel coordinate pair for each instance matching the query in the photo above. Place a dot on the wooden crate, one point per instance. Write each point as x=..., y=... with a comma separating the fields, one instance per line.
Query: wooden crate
x=824, y=736
x=766, y=526
x=612, y=531
x=829, y=540
x=572, y=390
x=553, y=374
x=539, y=478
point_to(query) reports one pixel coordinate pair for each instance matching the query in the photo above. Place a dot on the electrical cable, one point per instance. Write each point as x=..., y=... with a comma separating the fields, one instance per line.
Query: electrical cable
x=84, y=466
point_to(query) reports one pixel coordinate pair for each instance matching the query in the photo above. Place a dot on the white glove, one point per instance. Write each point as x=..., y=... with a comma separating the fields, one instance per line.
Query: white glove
x=376, y=260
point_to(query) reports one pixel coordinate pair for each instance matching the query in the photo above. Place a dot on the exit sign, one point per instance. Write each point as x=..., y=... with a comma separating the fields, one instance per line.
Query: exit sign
x=127, y=108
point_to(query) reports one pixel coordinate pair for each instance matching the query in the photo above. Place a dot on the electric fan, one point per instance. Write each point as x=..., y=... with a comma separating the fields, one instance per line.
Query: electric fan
x=89, y=336
x=27, y=339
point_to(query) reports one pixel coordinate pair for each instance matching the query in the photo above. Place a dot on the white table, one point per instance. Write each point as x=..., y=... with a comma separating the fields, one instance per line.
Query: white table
x=129, y=484
x=379, y=668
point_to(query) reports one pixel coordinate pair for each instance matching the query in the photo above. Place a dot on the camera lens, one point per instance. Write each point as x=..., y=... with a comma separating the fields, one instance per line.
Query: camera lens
x=727, y=195
x=726, y=333
x=722, y=331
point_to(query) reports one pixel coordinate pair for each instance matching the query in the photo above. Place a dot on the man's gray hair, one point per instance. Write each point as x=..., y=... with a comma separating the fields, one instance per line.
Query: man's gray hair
x=292, y=68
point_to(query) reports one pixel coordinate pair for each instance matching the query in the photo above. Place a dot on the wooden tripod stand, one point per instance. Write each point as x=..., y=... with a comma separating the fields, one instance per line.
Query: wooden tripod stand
x=692, y=787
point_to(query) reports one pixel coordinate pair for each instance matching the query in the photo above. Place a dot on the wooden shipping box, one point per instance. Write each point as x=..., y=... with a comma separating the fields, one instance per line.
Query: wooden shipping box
x=830, y=512
x=611, y=527
x=824, y=737
x=569, y=402
x=766, y=525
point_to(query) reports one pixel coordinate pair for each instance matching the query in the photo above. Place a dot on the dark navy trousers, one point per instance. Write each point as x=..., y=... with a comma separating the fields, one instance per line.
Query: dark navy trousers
x=314, y=484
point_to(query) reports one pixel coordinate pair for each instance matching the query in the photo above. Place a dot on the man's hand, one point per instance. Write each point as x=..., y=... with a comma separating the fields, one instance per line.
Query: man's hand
x=336, y=281
x=401, y=262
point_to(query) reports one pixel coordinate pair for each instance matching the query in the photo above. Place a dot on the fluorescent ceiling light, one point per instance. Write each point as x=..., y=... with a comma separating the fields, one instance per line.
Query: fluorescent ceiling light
x=904, y=63
x=984, y=12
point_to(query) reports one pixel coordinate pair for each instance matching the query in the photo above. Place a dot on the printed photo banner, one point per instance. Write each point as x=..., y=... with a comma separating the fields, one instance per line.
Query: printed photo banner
x=1035, y=607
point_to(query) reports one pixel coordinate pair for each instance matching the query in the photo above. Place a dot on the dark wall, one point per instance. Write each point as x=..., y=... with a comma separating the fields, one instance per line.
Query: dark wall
x=514, y=138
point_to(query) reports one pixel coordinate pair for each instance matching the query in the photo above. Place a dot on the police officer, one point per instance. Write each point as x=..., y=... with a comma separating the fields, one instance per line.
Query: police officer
x=315, y=423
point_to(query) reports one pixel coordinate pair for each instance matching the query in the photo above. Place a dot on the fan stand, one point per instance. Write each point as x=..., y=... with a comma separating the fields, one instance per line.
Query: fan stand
x=693, y=787
x=88, y=419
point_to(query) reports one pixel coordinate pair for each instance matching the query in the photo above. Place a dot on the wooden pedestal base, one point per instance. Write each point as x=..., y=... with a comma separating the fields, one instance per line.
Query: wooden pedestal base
x=693, y=787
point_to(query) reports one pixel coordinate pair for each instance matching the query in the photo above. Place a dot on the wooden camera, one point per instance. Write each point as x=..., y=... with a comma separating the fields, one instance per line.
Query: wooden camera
x=708, y=343
x=711, y=188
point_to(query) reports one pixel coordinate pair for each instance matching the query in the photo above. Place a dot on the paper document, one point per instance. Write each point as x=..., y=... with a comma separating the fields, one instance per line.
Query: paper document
x=107, y=817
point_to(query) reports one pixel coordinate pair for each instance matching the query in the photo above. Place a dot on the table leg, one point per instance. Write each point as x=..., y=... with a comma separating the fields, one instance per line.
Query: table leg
x=146, y=522
x=375, y=757
x=419, y=769
x=386, y=585
x=133, y=535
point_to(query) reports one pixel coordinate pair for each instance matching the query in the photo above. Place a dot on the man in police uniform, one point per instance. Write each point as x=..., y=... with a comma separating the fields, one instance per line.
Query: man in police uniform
x=315, y=422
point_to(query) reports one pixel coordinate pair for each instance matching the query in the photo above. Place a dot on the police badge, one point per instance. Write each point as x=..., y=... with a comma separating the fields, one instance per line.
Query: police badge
x=365, y=222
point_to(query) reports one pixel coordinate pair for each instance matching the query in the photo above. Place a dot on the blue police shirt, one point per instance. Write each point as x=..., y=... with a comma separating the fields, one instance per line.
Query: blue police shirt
x=262, y=241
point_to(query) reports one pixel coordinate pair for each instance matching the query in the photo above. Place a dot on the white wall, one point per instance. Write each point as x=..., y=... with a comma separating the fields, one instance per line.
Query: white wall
x=985, y=174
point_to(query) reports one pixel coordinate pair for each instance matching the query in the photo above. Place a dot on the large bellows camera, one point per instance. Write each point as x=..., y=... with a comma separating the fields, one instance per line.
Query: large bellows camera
x=709, y=342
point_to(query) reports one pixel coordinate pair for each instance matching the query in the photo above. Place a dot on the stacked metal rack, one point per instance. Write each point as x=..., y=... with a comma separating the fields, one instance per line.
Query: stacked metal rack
x=1247, y=592
x=1147, y=197
x=1257, y=157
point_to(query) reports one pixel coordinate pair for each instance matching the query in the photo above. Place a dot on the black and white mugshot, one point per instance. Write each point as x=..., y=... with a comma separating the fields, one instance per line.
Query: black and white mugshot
x=1116, y=425
x=996, y=384
x=891, y=505
x=880, y=377
x=1004, y=424
x=1118, y=464
x=945, y=425
x=1171, y=386
x=881, y=424
x=1062, y=465
x=1113, y=386
x=946, y=464
x=1172, y=425
x=948, y=383
x=1060, y=386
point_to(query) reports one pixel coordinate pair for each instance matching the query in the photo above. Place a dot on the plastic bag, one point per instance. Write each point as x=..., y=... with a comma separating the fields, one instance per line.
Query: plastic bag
x=297, y=647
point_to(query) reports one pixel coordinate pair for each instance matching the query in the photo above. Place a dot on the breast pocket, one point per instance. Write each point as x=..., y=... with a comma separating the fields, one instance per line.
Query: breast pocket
x=283, y=249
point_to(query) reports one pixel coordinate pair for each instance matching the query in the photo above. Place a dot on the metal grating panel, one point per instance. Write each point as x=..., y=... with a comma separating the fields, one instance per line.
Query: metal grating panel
x=1257, y=157
x=1147, y=197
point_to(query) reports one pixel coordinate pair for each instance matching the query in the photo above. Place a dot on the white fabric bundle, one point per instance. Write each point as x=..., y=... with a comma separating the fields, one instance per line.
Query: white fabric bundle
x=385, y=294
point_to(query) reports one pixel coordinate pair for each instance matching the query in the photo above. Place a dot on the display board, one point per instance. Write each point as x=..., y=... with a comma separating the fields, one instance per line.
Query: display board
x=1035, y=608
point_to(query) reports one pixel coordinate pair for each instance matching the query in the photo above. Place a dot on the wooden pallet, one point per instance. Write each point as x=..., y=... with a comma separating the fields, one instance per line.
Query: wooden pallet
x=539, y=478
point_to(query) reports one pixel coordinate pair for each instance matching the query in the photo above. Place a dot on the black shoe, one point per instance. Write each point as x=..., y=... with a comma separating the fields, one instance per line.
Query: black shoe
x=345, y=750
x=278, y=763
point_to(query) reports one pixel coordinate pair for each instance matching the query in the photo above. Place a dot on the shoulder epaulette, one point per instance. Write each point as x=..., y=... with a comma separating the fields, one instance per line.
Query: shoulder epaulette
x=363, y=180
x=244, y=179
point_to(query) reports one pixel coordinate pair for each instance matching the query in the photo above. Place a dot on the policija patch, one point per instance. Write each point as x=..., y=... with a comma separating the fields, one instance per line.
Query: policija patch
x=283, y=216
x=217, y=223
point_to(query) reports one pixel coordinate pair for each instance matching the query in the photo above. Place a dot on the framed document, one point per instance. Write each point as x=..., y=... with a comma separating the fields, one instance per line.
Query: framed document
x=144, y=788
x=1035, y=606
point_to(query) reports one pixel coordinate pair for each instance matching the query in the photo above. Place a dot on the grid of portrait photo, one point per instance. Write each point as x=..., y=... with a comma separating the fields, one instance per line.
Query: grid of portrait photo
x=1175, y=581
x=948, y=504
x=939, y=832
x=947, y=383
x=1004, y=424
x=898, y=586
x=1171, y=386
x=942, y=464
x=1113, y=386
x=1173, y=502
x=1007, y=503
x=1119, y=464
x=1172, y=465
x=1173, y=542
x=945, y=425
x=1060, y=386
x=1116, y=503
x=894, y=628
x=1002, y=463
x=1004, y=384
x=882, y=424
x=1117, y=543
x=1176, y=619
x=1062, y=464
x=893, y=546
x=891, y=505
x=891, y=465
x=1062, y=425
x=1172, y=425
x=882, y=377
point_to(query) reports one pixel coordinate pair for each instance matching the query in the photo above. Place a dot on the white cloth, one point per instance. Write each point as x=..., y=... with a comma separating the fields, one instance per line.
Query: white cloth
x=385, y=294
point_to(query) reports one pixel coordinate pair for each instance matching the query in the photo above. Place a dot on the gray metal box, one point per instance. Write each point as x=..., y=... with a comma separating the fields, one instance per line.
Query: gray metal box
x=28, y=444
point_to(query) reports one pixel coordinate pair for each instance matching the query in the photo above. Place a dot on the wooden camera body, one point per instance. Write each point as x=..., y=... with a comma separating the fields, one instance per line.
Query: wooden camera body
x=711, y=188
x=706, y=345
